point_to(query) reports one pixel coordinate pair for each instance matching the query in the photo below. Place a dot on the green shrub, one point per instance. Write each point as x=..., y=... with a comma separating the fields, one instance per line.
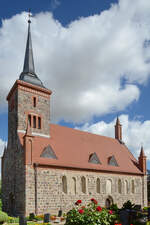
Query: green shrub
x=3, y=217
x=114, y=207
x=31, y=216
x=128, y=205
x=0, y=204
x=145, y=208
x=13, y=219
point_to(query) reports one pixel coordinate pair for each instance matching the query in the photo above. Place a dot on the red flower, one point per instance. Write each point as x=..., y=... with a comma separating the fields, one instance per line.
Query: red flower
x=98, y=208
x=94, y=201
x=81, y=211
x=110, y=212
x=78, y=202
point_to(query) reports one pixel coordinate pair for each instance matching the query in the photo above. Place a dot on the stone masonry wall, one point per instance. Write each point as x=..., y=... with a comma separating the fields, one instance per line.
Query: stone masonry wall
x=25, y=107
x=13, y=181
x=50, y=195
x=13, y=176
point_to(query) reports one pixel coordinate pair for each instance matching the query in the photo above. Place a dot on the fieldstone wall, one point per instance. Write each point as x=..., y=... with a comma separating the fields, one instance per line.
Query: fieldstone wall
x=48, y=196
x=13, y=170
x=25, y=107
x=13, y=180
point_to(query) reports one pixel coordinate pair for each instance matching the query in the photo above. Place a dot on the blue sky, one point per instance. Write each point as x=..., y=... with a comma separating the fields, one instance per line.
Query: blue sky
x=95, y=60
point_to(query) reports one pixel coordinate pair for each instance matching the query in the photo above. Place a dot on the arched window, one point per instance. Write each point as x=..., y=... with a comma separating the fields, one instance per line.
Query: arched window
x=74, y=191
x=39, y=122
x=119, y=186
x=126, y=187
x=64, y=184
x=98, y=185
x=132, y=187
x=108, y=186
x=34, y=121
x=83, y=184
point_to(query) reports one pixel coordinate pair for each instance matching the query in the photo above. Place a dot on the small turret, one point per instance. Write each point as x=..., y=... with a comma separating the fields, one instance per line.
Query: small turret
x=118, y=130
x=142, y=161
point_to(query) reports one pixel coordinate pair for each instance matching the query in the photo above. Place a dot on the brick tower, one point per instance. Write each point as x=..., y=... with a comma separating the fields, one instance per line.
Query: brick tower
x=28, y=110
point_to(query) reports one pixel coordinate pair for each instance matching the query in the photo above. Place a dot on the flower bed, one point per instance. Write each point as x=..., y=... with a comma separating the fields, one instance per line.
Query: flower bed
x=92, y=214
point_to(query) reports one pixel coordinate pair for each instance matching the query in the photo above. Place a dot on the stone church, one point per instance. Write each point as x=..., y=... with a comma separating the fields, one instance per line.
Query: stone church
x=47, y=167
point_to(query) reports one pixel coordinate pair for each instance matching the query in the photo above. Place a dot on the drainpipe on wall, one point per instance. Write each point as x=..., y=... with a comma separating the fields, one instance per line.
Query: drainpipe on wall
x=35, y=185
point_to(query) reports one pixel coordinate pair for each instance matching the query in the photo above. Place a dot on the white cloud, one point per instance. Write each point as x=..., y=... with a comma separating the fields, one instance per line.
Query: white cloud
x=55, y=4
x=2, y=145
x=135, y=133
x=93, y=66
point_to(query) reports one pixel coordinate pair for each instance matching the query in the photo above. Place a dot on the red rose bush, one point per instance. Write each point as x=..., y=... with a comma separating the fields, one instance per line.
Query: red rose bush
x=91, y=214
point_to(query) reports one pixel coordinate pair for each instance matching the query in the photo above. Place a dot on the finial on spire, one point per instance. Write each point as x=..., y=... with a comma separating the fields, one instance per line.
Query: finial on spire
x=29, y=15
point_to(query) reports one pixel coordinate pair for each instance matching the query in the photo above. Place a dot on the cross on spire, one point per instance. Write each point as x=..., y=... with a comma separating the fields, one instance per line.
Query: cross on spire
x=29, y=15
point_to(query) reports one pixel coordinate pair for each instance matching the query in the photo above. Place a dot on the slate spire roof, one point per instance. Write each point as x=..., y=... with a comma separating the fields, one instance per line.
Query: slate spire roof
x=28, y=74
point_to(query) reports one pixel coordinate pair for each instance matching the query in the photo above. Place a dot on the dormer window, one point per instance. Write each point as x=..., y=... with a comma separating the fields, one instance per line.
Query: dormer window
x=94, y=159
x=112, y=161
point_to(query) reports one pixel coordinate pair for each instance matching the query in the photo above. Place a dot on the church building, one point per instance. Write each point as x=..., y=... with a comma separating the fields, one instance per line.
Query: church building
x=47, y=167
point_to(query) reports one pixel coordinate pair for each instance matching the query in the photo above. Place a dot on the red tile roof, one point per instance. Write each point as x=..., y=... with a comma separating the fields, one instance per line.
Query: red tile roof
x=73, y=148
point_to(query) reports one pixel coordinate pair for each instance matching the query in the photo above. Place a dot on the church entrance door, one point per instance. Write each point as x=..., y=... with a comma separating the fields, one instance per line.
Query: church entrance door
x=108, y=202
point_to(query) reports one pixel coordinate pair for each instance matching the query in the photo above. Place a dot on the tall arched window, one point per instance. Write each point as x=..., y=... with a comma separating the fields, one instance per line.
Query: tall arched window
x=126, y=187
x=119, y=186
x=98, y=185
x=74, y=188
x=108, y=186
x=64, y=184
x=83, y=184
x=132, y=187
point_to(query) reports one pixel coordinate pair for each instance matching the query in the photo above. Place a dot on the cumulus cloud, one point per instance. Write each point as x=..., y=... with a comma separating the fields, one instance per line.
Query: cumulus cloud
x=93, y=66
x=135, y=133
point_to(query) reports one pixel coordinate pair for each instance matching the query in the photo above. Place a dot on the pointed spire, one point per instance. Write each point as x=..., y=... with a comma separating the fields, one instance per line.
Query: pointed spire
x=142, y=154
x=118, y=121
x=28, y=74
x=118, y=130
x=142, y=161
x=29, y=61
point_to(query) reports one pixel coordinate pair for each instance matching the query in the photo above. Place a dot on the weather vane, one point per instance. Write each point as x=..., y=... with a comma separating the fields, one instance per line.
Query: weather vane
x=29, y=15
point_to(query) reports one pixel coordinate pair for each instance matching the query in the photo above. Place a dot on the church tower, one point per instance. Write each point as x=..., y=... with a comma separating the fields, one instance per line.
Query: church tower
x=28, y=100
x=29, y=118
